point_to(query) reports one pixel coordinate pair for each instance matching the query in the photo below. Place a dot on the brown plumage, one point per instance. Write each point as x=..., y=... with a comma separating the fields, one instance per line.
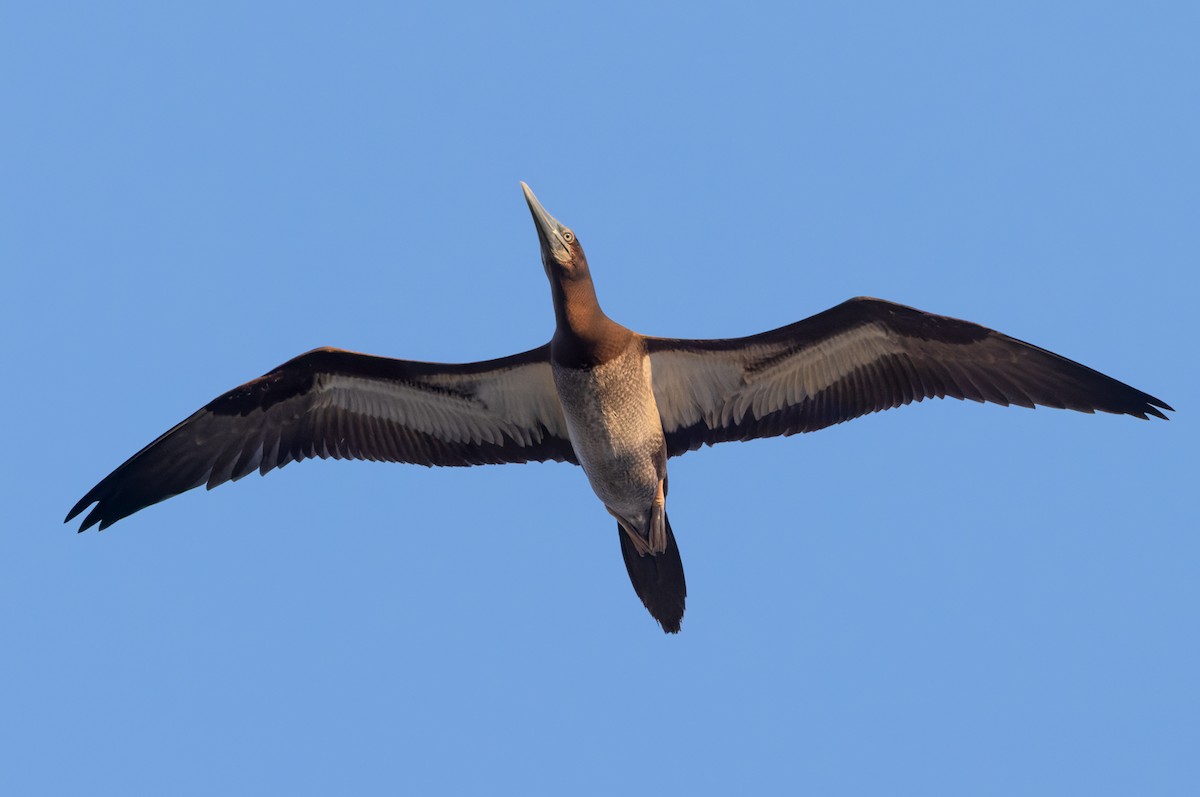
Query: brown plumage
x=330, y=403
x=606, y=398
x=862, y=356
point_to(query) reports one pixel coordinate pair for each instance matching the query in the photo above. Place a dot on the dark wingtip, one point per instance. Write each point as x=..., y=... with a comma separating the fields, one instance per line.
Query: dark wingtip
x=81, y=505
x=93, y=517
x=1160, y=404
x=1150, y=406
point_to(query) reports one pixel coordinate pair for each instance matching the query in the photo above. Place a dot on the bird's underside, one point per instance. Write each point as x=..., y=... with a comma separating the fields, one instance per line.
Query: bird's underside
x=339, y=404
x=859, y=357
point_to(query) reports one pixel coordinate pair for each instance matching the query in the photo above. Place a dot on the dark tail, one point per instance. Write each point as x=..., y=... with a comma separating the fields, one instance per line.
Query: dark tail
x=657, y=580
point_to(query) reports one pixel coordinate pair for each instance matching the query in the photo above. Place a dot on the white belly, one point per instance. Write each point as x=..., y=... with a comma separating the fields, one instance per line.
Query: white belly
x=616, y=430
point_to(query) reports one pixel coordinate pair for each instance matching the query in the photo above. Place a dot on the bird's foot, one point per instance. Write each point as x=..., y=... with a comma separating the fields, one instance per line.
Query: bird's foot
x=653, y=539
x=657, y=531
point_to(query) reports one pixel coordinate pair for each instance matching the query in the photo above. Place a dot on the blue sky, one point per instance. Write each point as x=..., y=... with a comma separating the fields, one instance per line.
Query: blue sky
x=942, y=599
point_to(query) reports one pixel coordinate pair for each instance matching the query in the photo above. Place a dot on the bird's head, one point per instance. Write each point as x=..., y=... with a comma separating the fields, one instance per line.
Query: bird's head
x=562, y=256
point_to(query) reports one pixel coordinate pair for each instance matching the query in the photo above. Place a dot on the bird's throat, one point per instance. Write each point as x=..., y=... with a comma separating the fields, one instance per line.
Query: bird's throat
x=584, y=336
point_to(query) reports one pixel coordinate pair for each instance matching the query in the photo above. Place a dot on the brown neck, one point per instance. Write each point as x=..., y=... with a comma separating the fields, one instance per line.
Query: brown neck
x=585, y=336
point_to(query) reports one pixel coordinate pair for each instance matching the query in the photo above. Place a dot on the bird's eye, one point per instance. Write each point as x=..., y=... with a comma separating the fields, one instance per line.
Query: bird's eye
x=568, y=236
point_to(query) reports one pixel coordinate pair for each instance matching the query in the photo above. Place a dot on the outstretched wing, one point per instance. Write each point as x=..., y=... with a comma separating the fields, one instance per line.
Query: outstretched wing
x=340, y=404
x=862, y=356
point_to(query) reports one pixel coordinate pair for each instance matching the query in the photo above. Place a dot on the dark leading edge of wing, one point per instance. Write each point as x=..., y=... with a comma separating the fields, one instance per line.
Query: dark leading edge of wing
x=862, y=356
x=332, y=403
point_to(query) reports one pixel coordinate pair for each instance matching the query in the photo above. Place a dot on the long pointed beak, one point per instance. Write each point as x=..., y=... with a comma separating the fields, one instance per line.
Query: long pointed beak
x=547, y=226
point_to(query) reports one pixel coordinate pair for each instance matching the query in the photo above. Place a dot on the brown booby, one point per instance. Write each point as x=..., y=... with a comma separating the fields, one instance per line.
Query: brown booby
x=603, y=397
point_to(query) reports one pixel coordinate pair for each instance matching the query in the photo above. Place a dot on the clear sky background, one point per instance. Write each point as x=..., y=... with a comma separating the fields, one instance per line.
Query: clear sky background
x=944, y=599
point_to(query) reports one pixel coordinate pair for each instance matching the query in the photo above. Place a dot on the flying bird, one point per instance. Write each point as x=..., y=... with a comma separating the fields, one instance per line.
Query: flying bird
x=598, y=395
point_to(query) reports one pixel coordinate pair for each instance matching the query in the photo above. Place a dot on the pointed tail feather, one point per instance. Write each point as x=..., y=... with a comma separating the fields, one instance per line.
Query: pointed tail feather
x=658, y=580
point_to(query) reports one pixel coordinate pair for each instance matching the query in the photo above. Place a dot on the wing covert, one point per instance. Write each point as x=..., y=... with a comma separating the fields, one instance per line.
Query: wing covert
x=337, y=404
x=862, y=356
